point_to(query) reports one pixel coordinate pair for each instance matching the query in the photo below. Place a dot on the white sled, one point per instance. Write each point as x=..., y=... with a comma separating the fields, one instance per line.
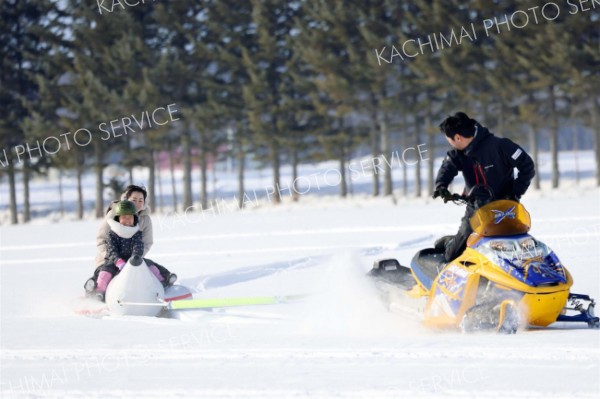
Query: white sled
x=135, y=291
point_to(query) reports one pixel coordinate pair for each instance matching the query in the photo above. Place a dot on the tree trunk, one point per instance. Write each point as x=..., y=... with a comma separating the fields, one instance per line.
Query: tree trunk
x=533, y=149
x=13, y=193
x=554, y=138
x=240, y=169
x=430, y=148
x=274, y=148
x=203, y=179
x=575, y=140
x=129, y=166
x=151, y=180
x=172, y=171
x=294, y=188
x=187, y=169
x=98, y=169
x=80, y=208
x=60, y=192
x=343, y=185
x=417, y=166
x=215, y=189
x=159, y=181
x=387, y=153
x=596, y=123
x=374, y=144
x=404, y=144
x=26, y=204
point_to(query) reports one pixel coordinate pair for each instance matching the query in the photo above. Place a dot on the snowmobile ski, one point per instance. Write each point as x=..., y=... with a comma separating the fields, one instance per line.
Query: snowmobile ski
x=210, y=303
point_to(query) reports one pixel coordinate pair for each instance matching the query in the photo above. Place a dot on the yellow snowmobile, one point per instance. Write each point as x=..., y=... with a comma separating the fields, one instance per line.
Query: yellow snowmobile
x=503, y=280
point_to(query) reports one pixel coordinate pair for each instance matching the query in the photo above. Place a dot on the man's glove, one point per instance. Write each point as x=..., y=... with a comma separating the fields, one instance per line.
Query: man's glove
x=444, y=193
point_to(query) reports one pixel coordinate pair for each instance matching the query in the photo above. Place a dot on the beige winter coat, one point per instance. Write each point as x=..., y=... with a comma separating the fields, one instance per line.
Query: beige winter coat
x=145, y=224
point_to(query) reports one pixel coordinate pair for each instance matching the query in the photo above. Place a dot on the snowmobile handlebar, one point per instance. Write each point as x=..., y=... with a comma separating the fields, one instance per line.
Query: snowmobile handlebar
x=458, y=199
x=478, y=195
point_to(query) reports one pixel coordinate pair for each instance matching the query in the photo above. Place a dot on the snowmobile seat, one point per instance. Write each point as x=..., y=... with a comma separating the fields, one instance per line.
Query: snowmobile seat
x=427, y=264
x=392, y=272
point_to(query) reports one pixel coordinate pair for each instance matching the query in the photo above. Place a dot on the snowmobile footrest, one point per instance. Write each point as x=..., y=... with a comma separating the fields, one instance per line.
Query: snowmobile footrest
x=577, y=303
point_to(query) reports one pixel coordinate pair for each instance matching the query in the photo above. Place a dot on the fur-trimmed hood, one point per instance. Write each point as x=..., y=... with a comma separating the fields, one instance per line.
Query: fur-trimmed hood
x=122, y=230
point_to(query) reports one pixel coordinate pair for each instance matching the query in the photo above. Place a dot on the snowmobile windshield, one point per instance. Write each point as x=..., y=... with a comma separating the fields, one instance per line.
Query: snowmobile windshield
x=525, y=258
x=499, y=218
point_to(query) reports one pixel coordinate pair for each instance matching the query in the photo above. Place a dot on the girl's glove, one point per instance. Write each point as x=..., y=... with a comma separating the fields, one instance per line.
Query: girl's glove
x=120, y=263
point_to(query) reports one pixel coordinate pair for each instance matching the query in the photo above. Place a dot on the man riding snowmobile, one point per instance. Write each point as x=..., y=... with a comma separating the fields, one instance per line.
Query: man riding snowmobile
x=483, y=159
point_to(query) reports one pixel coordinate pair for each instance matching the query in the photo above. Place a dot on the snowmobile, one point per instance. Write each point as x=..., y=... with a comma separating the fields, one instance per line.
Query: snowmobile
x=505, y=279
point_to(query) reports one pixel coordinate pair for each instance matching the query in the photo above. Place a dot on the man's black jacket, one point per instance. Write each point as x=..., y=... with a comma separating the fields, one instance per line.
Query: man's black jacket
x=489, y=160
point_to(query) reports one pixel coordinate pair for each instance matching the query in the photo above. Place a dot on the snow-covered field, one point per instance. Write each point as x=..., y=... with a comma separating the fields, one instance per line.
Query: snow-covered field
x=340, y=342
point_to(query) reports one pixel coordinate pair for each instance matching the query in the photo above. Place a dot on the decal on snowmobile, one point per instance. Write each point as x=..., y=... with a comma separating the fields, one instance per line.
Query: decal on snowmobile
x=450, y=287
x=499, y=215
x=524, y=258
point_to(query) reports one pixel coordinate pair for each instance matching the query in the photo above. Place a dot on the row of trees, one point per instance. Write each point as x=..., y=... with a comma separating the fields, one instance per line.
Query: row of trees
x=302, y=80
